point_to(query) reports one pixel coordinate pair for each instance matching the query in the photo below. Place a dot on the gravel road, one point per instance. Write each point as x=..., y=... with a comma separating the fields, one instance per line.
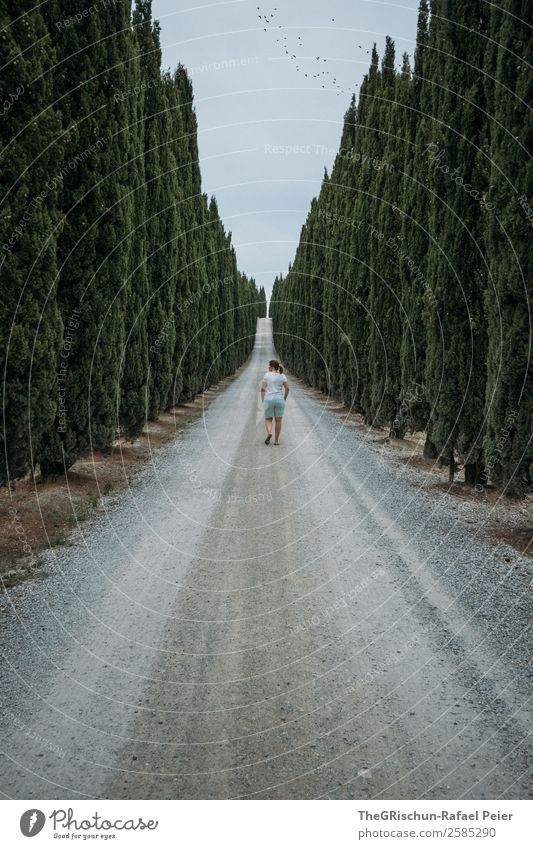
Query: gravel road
x=299, y=621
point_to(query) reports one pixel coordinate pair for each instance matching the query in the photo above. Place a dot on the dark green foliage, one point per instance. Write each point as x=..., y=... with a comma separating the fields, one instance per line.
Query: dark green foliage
x=384, y=338
x=456, y=268
x=415, y=255
x=30, y=168
x=262, y=307
x=92, y=75
x=413, y=241
x=134, y=302
x=509, y=394
x=162, y=129
x=121, y=293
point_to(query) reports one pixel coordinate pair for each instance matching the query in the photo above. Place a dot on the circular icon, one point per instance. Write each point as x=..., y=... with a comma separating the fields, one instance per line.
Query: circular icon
x=32, y=822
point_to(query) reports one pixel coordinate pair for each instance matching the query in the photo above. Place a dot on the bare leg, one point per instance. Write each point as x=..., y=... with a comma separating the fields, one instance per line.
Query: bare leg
x=268, y=425
x=278, y=430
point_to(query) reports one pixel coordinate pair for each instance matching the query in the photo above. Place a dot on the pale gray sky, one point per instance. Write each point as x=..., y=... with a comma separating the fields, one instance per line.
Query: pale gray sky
x=252, y=98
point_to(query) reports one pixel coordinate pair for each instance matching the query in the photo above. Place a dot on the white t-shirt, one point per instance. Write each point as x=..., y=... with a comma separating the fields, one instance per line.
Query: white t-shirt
x=274, y=383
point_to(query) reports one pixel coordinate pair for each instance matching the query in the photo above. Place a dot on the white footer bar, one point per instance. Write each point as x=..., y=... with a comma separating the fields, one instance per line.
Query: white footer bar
x=269, y=824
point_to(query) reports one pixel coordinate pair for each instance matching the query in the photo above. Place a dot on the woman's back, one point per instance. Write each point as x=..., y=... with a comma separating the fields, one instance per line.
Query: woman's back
x=274, y=383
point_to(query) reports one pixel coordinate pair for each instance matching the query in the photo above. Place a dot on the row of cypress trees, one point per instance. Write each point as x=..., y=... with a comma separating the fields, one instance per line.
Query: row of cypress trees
x=409, y=295
x=120, y=288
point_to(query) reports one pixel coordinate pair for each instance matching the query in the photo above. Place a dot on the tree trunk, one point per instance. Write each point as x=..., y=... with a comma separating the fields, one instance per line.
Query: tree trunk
x=451, y=468
x=397, y=432
x=430, y=450
x=473, y=473
x=50, y=468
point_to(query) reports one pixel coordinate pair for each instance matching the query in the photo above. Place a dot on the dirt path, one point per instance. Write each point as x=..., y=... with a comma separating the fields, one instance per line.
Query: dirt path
x=292, y=622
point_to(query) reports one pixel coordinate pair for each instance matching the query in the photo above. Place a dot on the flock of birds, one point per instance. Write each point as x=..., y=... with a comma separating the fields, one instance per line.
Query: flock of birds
x=301, y=62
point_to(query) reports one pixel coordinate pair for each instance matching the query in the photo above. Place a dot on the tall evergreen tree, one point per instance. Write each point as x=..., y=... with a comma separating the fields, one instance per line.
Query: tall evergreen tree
x=189, y=171
x=456, y=345
x=93, y=57
x=414, y=234
x=509, y=395
x=363, y=179
x=347, y=362
x=162, y=122
x=134, y=355
x=212, y=339
x=30, y=168
x=262, y=306
x=384, y=329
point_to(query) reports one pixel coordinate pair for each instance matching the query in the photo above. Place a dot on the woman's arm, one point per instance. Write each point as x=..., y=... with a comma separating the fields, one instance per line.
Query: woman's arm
x=286, y=388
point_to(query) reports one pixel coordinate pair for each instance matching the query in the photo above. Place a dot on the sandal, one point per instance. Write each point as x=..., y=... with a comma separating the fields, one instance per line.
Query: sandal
x=267, y=440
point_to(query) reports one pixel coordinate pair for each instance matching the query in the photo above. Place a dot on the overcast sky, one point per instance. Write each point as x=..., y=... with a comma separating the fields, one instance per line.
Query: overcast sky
x=266, y=131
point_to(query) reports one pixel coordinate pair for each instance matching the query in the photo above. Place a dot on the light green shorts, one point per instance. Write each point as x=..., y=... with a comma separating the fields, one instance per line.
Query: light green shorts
x=274, y=406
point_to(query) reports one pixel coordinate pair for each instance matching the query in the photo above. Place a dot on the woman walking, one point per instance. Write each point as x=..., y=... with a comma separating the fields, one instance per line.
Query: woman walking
x=274, y=391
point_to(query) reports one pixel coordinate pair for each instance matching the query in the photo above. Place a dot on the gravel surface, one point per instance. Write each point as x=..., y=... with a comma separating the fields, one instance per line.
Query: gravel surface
x=299, y=621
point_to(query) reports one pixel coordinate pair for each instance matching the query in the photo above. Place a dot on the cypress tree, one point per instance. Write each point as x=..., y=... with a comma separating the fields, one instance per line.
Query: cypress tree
x=313, y=277
x=307, y=304
x=362, y=176
x=93, y=56
x=189, y=175
x=177, y=234
x=456, y=349
x=297, y=286
x=30, y=167
x=328, y=243
x=215, y=283
x=385, y=325
x=415, y=200
x=262, y=306
x=134, y=365
x=204, y=283
x=347, y=364
x=162, y=221
x=340, y=214
x=509, y=394
x=234, y=356
x=223, y=274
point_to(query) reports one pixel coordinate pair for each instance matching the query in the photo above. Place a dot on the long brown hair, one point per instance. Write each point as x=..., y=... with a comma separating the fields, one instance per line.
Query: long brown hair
x=276, y=365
